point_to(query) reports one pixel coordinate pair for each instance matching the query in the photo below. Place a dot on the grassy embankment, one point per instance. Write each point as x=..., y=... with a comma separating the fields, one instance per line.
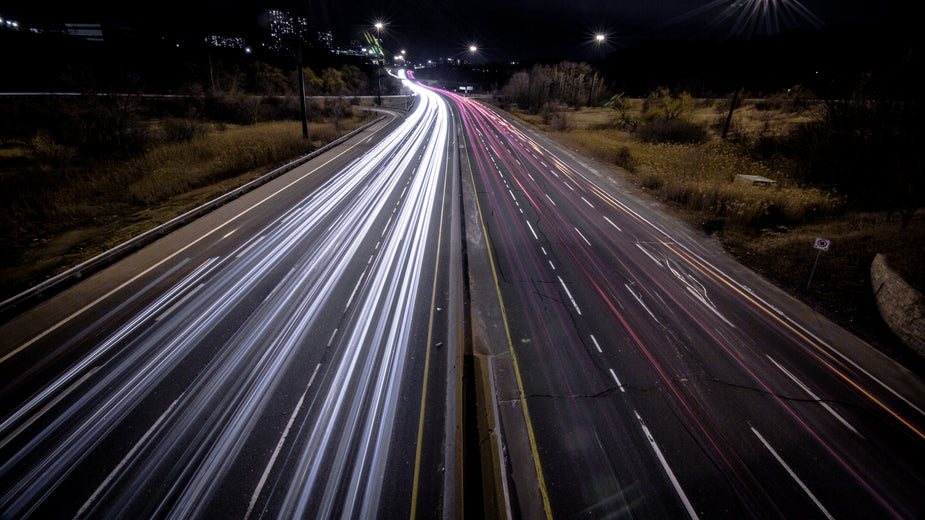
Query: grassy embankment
x=59, y=208
x=769, y=229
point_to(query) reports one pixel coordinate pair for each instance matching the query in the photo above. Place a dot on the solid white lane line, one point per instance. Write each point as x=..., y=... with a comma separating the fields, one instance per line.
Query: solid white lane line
x=279, y=445
x=569, y=293
x=814, y=396
x=661, y=458
x=596, y=344
x=617, y=380
x=793, y=475
x=228, y=234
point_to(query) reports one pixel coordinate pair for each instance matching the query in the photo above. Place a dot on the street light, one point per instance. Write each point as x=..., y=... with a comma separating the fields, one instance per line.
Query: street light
x=473, y=48
x=379, y=26
x=599, y=38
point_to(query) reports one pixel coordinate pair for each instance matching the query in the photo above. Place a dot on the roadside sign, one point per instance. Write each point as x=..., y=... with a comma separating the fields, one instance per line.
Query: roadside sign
x=821, y=244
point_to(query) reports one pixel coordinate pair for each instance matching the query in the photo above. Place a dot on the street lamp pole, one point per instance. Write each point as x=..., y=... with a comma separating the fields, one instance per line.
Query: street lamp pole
x=302, y=90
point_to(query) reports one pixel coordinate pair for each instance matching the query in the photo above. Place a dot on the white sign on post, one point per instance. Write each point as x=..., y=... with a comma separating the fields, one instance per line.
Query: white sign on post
x=822, y=245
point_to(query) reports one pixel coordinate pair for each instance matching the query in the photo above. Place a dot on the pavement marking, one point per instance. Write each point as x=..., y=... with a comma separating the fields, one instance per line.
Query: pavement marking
x=617, y=380
x=249, y=246
x=125, y=459
x=430, y=330
x=582, y=236
x=596, y=344
x=541, y=481
x=661, y=458
x=279, y=445
x=177, y=304
x=612, y=224
x=531, y=230
x=550, y=199
x=331, y=339
x=638, y=299
x=166, y=259
x=814, y=396
x=793, y=475
x=569, y=293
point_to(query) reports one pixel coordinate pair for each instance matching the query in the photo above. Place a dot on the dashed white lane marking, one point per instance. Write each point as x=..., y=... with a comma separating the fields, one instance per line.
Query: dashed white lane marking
x=617, y=380
x=249, y=247
x=279, y=445
x=582, y=236
x=793, y=475
x=183, y=299
x=596, y=344
x=612, y=224
x=814, y=396
x=531, y=230
x=661, y=458
x=569, y=293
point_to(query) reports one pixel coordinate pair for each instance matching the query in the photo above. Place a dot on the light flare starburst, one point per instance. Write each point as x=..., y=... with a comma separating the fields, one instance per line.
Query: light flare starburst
x=756, y=17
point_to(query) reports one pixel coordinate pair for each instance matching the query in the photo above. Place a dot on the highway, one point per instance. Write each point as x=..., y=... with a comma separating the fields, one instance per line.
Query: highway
x=296, y=353
x=639, y=372
x=285, y=356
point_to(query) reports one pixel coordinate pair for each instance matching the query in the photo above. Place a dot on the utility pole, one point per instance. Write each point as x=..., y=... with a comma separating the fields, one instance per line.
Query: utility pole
x=732, y=106
x=302, y=87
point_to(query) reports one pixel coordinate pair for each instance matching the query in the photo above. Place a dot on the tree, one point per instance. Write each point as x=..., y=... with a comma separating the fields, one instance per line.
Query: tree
x=333, y=81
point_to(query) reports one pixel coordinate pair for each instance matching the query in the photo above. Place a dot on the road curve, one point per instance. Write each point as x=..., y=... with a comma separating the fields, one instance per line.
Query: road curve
x=654, y=376
x=272, y=361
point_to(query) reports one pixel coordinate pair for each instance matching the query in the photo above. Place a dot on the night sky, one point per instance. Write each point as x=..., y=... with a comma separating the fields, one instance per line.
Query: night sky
x=502, y=29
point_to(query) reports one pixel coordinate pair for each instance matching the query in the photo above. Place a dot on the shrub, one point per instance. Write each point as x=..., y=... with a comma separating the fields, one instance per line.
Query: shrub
x=672, y=131
x=625, y=159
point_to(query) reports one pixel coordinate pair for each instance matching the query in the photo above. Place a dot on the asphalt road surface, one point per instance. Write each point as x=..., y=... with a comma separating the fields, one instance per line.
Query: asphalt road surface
x=285, y=356
x=295, y=354
x=655, y=378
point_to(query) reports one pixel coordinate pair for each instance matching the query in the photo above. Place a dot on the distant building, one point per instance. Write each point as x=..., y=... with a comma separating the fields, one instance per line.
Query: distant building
x=326, y=39
x=284, y=31
x=226, y=42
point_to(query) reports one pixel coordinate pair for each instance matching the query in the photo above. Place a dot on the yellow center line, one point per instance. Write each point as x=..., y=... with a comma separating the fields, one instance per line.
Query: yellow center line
x=709, y=273
x=430, y=330
x=510, y=344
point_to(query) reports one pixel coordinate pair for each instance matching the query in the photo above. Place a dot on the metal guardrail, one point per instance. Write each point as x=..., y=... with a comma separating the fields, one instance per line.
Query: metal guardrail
x=57, y=282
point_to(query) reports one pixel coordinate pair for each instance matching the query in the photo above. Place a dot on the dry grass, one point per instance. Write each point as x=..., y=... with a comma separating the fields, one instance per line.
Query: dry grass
x=771, y=229
x=55, y=215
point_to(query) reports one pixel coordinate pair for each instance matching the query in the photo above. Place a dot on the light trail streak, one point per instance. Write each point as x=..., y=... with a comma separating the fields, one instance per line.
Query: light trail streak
x=191, y=450
x=690, y=299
